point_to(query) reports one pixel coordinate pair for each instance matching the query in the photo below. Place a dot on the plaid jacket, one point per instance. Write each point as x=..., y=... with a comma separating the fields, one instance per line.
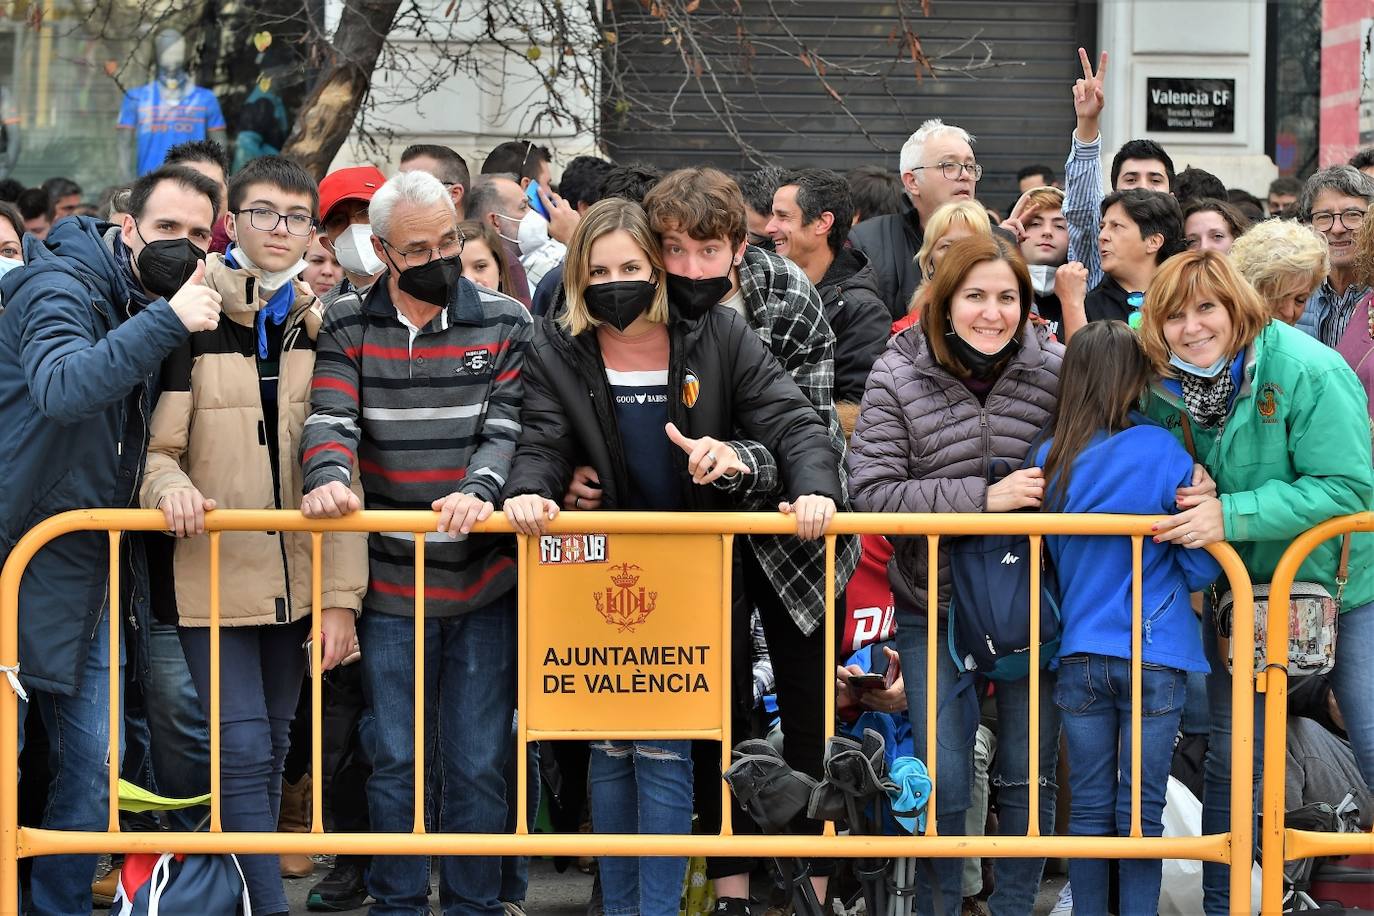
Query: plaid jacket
x=784, y=309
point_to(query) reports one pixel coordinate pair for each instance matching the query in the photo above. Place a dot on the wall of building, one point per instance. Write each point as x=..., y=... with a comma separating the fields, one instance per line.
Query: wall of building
x=471, y=112
x=1347, y=79
x=1189, y=40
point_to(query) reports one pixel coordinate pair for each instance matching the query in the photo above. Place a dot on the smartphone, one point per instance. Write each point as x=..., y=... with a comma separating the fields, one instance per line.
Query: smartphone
x=532, y=195
x=859, y=682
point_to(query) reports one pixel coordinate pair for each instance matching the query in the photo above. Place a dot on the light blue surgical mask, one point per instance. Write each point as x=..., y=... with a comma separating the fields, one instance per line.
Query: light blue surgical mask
x=1211, y=371
x=9, y=264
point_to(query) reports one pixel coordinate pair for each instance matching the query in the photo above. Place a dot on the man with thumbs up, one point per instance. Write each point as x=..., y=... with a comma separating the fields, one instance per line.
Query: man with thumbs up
x=88, y=321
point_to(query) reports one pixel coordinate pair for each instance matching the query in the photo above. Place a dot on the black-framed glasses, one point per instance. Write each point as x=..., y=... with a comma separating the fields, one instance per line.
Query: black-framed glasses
x=1351, y=219
x=952, y=170
x=265, y=220
x=419, y=257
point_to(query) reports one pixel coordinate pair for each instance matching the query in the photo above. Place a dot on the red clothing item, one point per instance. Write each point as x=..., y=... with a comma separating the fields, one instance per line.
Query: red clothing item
x=219, y=235
x=901, y=324
x=868, y=615
x=519, y=283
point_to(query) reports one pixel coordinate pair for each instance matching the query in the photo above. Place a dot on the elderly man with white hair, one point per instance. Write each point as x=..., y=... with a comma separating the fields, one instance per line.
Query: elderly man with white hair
x=417, y=389
x=937, y=166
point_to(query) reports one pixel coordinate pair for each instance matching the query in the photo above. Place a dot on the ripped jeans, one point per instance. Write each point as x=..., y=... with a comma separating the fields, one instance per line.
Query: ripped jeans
x=642, y=787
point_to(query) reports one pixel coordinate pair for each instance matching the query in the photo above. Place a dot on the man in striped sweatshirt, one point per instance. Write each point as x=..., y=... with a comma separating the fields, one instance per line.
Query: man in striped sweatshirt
x=417, y=388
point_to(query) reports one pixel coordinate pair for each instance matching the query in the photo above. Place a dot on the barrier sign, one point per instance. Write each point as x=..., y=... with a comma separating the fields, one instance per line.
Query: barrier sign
x=623, y=626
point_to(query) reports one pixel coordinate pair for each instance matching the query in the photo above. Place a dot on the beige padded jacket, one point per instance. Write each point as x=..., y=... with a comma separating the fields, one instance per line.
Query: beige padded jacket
x=208, y=432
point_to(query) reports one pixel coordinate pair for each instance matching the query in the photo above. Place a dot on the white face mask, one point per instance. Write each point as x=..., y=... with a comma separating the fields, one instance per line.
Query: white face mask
x=271, y=280
x=501, y=219
x=353, y=250
x=1042, y=278
x=9, y=264
x=533, y=233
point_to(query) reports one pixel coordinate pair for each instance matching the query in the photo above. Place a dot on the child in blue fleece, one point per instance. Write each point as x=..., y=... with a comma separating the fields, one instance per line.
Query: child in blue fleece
x=1105, y=457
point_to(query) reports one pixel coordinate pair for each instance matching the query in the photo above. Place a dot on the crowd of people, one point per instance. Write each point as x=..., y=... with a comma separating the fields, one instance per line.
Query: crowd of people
x=804, y=342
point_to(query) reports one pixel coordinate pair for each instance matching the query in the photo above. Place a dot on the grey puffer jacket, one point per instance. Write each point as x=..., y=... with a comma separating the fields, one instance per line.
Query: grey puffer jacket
x=923, y=443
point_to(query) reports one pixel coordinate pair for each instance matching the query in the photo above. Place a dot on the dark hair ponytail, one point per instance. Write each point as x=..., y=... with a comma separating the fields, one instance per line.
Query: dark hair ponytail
x=1101, y=380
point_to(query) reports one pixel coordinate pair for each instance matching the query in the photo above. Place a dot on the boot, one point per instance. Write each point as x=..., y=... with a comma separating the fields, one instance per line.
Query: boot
x=104, y=888
x=295, y=818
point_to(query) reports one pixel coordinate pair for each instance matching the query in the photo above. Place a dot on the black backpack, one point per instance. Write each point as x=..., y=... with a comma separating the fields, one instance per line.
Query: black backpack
x=989, y=605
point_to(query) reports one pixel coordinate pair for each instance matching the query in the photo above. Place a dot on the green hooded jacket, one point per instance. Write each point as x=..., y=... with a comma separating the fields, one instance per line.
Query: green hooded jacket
x=1294, y=451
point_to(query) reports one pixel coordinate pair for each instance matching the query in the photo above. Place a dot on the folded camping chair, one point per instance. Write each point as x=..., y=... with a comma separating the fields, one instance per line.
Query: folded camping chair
x=855, y=793
x=773, y=794
x=1321, y=817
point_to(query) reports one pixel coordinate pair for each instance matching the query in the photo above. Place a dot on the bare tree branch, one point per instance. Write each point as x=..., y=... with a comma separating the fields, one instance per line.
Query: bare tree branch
x=566, y=66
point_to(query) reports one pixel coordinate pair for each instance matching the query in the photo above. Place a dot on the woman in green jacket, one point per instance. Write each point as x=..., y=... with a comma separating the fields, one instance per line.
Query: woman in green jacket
x=1279, y=422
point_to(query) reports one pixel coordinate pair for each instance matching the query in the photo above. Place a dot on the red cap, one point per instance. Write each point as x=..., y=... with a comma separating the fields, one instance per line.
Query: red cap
x=348, y=184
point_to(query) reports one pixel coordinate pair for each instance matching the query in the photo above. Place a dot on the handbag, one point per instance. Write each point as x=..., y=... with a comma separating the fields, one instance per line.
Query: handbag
x=1313, y=619
x=1313, y=614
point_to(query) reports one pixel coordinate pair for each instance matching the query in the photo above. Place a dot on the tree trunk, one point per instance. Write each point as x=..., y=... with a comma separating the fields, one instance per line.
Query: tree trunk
x=326, y=117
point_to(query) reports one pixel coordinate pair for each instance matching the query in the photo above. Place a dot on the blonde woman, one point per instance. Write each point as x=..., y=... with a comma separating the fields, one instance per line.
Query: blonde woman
x=647, y=397
x=1285, y=261
x=956, y=220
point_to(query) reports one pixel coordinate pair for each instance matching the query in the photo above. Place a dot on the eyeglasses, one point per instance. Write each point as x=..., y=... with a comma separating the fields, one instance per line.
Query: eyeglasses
x=1351, y=219
x=265, y=220
x=952, y=170
x=419, y=257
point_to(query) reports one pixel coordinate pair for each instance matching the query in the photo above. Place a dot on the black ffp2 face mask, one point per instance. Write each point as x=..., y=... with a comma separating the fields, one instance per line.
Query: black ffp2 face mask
x=619, y=303
x=694, y=298
x=982, y=366
x=165, y=265
x=432, y=282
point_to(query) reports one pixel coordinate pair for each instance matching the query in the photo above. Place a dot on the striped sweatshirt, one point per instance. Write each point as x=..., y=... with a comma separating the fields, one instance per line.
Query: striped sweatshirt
x=422, y=413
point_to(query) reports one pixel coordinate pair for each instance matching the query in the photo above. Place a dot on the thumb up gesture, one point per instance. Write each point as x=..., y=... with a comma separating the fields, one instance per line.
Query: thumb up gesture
x=196, y=304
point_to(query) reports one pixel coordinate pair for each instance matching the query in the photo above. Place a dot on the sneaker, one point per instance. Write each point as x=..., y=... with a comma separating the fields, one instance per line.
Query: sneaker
x=1064, y=905
x=732, y=906
x=342, y=889
x=513, y=907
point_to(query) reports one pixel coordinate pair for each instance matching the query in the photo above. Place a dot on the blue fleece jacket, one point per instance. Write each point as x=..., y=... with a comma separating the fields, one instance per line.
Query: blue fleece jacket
x=1135, y=471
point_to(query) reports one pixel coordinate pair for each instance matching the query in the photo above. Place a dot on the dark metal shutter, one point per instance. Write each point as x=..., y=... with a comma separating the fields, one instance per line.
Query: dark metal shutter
x=1020, y=111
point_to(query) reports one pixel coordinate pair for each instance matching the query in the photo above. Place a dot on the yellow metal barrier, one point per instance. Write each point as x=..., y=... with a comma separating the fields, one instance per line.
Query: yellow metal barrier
x=1279, y=843
x=17, y=842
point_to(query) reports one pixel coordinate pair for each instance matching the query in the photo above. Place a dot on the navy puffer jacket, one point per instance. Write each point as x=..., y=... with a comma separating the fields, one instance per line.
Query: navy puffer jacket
x=76, y=377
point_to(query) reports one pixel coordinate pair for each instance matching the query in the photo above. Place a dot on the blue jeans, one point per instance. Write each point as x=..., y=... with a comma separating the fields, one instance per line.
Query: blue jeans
x=1017, y=880
x=1094, y=694
x=469, y=702
x=180, y=739
x=642, y=787
x=515, y=870
x=1216, y=772
x=1352, y=681
x=261, y=669
x=78, y=797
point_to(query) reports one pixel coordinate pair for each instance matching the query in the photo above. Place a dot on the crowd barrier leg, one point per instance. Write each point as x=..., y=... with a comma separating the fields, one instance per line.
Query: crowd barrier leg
x=1279, y=844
